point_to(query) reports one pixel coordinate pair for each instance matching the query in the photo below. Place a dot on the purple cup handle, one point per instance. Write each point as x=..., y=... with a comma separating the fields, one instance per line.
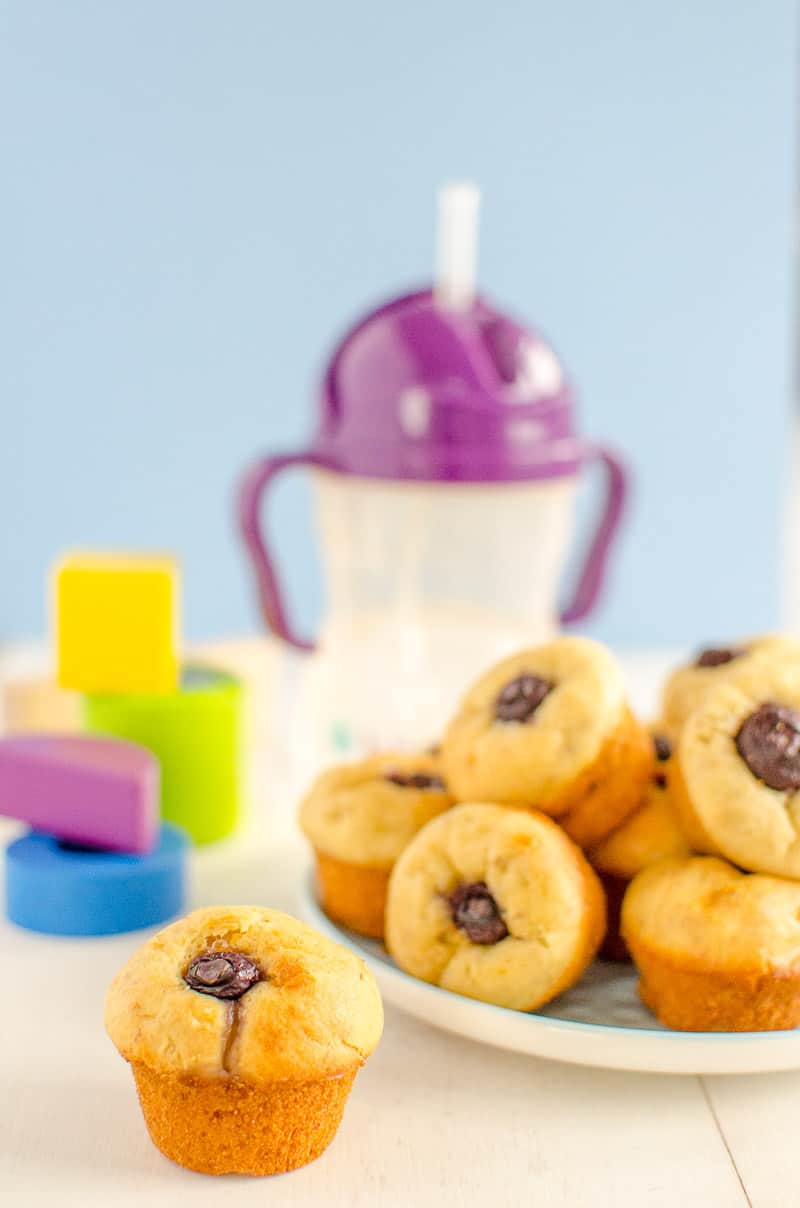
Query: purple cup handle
x=251, y=492
x=592, y=576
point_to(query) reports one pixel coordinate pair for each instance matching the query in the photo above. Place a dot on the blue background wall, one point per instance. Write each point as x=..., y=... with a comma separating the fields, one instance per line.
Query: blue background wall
x=197, y=196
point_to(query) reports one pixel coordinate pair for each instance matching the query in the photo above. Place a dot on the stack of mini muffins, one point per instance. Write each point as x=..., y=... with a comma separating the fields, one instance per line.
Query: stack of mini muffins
x=551, y=825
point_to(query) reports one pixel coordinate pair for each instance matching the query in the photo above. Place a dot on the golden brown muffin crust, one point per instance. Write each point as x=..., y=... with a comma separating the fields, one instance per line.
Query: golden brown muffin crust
x=706, y=914
x=579, y=756
x=652, y=833
x=531, y=762
x=550, y=901
x=316, y=1013
x=233, y=1127
x=355, y=813
x=724, y=808
x=717, y=949
x=353, y=895
x=688, y=685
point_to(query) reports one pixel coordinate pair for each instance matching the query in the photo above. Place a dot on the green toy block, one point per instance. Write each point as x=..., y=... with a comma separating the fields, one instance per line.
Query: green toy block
x=197, y=735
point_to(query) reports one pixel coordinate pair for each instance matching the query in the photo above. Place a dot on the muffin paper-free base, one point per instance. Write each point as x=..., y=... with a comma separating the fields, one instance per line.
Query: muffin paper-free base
x=226, y=1126
x=353, y=894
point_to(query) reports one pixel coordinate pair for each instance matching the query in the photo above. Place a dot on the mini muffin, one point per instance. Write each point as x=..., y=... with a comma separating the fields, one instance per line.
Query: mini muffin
x=717, y=950
x=496, y=904
x=245, y=1030
x=652, y=833
x=359, y=817
x=550, y=729
x=736, y=778
x=686, y=688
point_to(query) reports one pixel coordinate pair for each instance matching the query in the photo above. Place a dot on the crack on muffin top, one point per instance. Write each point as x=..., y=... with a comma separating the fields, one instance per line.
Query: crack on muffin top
x=226, y=975
x=474, y=911
x=521, y=697
x=768, y=741
x=234, y=1008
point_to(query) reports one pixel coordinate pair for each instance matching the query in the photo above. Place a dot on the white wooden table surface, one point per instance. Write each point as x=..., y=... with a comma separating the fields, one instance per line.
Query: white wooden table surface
x=432, y=1119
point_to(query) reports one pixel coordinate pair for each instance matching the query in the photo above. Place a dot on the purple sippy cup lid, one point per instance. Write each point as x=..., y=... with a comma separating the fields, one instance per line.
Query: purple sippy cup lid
x=418, y=391
x=440, y=386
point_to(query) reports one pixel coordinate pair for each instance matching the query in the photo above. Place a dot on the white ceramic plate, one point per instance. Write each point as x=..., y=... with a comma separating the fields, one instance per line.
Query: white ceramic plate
x=600, y=1022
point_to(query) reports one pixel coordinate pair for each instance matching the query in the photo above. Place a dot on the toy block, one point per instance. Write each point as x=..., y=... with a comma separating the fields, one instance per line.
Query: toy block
x=256, y=662
x=98, y=792
x=197, y=735
x=39, y=705
x=59, y=889
x=116, y=622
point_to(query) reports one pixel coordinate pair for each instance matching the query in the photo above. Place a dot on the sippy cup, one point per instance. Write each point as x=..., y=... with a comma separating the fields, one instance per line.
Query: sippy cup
x=445, y=466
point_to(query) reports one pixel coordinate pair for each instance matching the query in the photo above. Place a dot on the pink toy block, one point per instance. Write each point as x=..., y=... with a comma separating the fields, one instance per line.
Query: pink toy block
x=97, y=792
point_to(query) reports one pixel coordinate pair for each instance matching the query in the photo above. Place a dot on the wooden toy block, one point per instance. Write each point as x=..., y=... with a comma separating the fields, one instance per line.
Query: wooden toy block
x=116, y=621
x=98, y=792
x=39, y=705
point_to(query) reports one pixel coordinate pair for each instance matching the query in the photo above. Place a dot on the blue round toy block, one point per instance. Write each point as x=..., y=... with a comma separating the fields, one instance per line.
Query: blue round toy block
x=60, y=889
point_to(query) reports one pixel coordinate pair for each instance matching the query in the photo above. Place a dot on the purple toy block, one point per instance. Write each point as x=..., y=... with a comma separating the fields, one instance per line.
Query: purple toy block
x=97, y=792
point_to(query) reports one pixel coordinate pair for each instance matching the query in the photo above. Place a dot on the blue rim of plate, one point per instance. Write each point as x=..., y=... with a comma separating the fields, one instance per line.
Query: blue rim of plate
x=358, y=944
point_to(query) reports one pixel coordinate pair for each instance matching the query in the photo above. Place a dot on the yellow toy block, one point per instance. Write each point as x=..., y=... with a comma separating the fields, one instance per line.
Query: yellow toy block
x=116, y=623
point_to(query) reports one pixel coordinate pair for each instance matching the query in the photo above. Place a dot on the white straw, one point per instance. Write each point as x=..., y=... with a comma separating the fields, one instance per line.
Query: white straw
x=457, y=246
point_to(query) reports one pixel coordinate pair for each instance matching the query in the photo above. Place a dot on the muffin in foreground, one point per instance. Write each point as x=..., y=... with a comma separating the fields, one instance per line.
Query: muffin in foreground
x=550, y=729
x=687, y=686
x=359, y=817
x=245, y=1030
x=717, y=950
x=496, y=904
x=650, y=834
x=736, y=775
